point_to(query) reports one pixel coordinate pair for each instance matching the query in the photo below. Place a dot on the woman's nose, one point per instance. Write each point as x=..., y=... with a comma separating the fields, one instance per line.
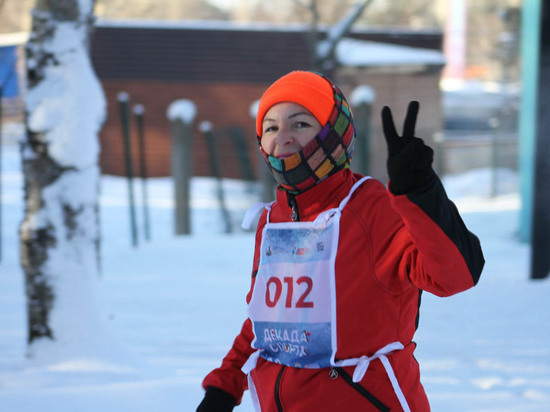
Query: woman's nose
x=284, y=137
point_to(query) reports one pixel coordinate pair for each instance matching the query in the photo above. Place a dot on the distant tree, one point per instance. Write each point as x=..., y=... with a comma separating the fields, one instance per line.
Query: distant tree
x=403, y=13
x=323, y=51
x=14, y=15
x=59, y=235
x=161, y=10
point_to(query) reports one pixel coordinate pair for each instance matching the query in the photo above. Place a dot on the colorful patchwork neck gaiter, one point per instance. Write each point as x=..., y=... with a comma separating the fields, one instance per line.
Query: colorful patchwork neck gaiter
x=329, y=151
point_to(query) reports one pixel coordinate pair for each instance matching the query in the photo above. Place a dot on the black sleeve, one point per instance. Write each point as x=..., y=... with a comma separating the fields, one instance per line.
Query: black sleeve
x=434, y=202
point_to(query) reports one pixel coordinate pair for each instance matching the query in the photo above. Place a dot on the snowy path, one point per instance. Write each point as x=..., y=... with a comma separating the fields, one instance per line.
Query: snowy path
x=172, y=308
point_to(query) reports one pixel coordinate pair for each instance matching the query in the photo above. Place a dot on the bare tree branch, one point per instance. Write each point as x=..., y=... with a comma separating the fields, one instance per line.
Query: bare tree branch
x=325, y=55
x=304, y=4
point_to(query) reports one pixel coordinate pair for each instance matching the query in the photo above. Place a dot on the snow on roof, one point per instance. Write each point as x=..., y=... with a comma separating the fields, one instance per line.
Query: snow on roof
x=200, y=25
x=14, y=39
x=246, y=25
x=353, y=52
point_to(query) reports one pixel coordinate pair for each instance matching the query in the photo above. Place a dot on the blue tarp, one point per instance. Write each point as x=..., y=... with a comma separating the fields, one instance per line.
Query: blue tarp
x=8, y=71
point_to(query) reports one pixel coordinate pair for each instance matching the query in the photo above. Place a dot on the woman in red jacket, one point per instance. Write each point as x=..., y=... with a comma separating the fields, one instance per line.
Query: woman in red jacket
x=340, y=263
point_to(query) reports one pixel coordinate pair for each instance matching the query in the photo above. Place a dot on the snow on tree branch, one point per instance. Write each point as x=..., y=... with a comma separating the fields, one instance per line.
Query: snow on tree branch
x=325, y=49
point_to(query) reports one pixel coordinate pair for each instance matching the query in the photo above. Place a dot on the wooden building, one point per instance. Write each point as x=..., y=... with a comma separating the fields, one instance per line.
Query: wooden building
x=223, y=68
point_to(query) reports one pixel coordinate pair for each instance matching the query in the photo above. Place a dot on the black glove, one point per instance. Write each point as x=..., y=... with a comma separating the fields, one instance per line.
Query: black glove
x=216, y=400
x=409, y=159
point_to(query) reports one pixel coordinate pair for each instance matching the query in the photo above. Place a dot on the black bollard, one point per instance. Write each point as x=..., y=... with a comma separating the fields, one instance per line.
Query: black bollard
x=139, y=112
x=125, y=121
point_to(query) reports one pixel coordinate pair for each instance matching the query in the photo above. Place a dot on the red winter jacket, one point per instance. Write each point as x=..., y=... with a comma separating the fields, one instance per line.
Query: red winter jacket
x=391, y=248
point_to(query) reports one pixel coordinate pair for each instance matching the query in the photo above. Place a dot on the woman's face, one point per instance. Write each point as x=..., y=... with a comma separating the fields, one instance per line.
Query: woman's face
x=287, y=127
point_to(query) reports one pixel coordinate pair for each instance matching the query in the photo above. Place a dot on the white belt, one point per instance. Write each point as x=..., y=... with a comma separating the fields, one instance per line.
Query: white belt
x=251, y=362
x=361, y=365
x=247, y=368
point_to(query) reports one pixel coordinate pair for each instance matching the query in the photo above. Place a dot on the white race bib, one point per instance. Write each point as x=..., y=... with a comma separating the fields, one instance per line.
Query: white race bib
x=292, y=303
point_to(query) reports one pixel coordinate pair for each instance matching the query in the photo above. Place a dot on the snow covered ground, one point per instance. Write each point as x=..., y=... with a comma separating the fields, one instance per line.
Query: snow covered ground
x=172, y=306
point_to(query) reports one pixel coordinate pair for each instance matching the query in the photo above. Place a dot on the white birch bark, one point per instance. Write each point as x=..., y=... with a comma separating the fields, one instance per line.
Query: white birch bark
x=65, y=108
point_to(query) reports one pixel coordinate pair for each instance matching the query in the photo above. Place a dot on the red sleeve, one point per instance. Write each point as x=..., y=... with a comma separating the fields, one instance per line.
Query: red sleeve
x=419, y=240
x=229, y=376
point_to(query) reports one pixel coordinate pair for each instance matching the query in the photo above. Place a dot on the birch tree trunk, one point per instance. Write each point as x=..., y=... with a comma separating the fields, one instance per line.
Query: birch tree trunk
x=59, y=236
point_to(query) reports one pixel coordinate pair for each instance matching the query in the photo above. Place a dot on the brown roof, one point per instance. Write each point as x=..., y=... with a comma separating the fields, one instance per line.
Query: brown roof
x=218, y=53
x=197, y=55
x=425, y=39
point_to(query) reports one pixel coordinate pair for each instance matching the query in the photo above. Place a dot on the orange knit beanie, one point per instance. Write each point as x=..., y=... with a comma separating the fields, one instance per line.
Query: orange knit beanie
x=330, y=150
x=305, y=88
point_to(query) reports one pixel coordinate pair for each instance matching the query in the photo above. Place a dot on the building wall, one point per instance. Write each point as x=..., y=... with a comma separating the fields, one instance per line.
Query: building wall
x=221, y=104
x=228, y=104
x=224, y=70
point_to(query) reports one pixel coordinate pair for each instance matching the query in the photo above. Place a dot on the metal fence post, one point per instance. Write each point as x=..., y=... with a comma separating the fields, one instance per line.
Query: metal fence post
x=494, y=123
x=123, y=100
x=139, y=112
x=181, y=114
x=238, y=140
x=267, y=180
x=439, y=153
x=540, y=232
x=206, y=129
x=361, y=99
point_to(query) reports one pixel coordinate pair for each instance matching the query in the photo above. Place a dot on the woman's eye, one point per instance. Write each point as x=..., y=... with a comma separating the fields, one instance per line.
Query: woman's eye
x=302, y=125
x=270, y=129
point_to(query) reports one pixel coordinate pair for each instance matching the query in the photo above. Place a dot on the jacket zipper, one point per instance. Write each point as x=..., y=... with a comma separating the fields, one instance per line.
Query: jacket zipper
x=365, y=393
x=294, y=215
x=278, y=389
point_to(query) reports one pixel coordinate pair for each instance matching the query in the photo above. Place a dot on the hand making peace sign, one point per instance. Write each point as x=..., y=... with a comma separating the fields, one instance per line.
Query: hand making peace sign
x=409, y=161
